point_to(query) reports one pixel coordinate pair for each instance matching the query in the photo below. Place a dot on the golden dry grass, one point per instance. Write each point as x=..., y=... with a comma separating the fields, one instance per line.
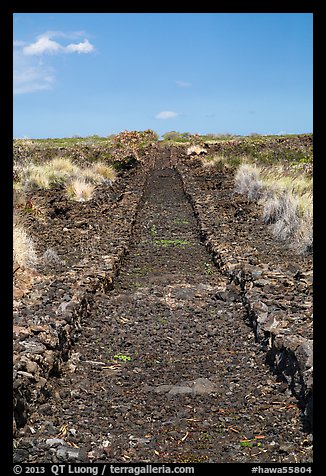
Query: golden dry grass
x=105, y=171
x=23, y=247
x=79, y=190
x=62, y=170
x=286, y=201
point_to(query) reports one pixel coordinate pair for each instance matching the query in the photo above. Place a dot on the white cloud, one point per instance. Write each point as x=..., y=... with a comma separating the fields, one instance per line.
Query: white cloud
x=44, y=44
x=183, y=84
x=30, y=72
x=84, y=47
x=166, y=115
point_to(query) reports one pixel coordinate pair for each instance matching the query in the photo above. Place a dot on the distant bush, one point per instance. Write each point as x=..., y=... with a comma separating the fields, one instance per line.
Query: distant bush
x=128, y=144
x=172, y=135
x=176, y=136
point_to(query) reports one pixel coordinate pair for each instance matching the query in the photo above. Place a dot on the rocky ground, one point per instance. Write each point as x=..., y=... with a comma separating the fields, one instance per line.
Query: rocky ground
x=170, y=328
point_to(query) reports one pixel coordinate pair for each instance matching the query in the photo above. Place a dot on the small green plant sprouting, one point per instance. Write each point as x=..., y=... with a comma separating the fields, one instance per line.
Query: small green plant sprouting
x=250, y=443
x=208, y=269
x=180, y=221
x=153, y=230
x=122, y=357
x=171, y=242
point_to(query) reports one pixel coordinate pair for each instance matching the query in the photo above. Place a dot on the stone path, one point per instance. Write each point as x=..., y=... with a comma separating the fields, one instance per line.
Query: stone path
x=165, y=368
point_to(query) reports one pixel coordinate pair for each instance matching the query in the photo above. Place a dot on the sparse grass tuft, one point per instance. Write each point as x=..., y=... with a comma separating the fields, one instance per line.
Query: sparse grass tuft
x=215, y=163
x=79, y=190
x=286, y=200
x=176, y=242
x=220, y=162
x=34, y=176
x=105, y=171
x=79, y=182
x=248, y=181
x=50, y=256
x=23, y=247
x=63, y=164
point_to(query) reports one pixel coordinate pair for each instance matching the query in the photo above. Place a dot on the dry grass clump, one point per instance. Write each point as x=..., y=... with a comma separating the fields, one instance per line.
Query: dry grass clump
x=90, y=176
x=63, y=164
x=79, y=190
x=105, y=171
x=219, y=163
x=303, y=239
x=281, y=178
x=50, y=256
x=34, y=176
x=24, y=252
x=248, y=181
x=286, y=200
x=43, y=176
x=216, y=163
x=290, y=217
x=79, y=181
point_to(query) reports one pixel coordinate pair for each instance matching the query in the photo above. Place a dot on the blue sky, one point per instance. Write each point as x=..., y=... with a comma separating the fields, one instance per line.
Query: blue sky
x=101, y=73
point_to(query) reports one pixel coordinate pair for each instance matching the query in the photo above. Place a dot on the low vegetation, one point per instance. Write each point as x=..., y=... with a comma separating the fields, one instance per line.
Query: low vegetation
x=80, y=190
x=176, y=242
x=275, y=171
x=286, y=201
x=24, y=253
x=79, y=182
x=75, y=164
x=219, y=162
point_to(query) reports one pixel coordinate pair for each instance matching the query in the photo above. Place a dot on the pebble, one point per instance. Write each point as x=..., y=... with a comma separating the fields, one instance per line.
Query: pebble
x=55, y=442
x=66, y=453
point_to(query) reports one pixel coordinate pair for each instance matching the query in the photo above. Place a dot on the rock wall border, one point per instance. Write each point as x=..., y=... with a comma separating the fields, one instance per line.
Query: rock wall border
x=290, y=356
x=33, y=384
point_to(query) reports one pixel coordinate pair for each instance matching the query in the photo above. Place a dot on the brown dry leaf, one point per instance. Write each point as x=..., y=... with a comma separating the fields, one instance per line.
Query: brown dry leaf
x=63, y=431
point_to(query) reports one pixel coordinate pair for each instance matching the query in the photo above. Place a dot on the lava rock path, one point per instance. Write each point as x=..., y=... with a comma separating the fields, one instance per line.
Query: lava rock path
x=166, y=370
